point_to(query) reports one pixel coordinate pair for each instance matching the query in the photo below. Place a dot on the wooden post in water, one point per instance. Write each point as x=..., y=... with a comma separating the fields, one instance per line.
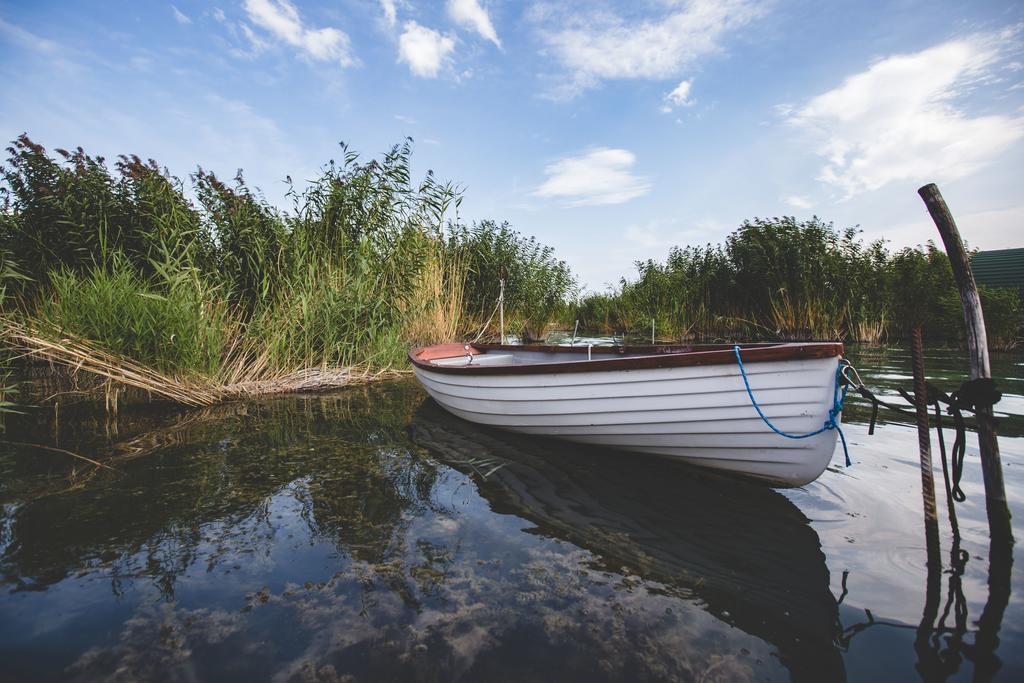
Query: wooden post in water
x=1000, y=567
x=927, y=661
x=977, y=346
x=931, y=518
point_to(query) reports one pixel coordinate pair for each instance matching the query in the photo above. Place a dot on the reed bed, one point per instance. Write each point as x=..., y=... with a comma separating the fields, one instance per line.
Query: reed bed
x=200, y=291
x=786, y=279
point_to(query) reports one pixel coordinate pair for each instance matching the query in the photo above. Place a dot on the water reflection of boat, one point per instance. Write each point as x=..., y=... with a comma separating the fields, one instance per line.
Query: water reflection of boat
x=744, y=551
x=688, y=403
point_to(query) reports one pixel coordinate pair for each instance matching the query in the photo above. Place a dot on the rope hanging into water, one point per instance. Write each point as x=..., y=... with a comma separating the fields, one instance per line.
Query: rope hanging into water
x=971, y=395
x=838, y=397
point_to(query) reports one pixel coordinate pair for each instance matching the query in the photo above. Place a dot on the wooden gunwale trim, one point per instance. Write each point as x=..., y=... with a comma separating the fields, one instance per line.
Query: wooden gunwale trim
x=669, y=356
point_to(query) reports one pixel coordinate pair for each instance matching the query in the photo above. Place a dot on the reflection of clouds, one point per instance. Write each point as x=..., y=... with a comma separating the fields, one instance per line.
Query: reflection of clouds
x=447, y=524
x=156, y=641
x=473, y=614
x=320, y=544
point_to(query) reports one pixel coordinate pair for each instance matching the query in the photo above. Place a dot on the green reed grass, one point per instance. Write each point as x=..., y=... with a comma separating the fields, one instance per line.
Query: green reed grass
x=786, y=279
x=228, y=288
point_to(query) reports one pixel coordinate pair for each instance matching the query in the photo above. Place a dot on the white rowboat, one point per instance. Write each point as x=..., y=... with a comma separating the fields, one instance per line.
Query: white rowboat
x=685, y=402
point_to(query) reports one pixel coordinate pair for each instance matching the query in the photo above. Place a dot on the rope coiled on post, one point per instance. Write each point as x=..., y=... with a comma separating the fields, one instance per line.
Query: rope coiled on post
x=838, y=397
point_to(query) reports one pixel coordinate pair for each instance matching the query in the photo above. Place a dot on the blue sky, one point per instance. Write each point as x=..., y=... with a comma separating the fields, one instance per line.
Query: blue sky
x=611, y=131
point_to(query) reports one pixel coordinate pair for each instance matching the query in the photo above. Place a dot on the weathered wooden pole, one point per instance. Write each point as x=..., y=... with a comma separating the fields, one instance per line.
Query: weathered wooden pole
x=977, y=346
x=931, y=517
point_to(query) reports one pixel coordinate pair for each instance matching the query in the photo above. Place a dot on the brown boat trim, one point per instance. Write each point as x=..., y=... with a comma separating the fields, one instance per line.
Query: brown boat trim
x=661, y=356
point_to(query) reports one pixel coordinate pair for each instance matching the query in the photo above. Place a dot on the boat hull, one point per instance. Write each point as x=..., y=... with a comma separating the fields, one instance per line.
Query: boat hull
x=699, y=414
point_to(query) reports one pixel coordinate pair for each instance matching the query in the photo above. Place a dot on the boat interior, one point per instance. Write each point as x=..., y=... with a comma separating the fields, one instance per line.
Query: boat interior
x=491, y=355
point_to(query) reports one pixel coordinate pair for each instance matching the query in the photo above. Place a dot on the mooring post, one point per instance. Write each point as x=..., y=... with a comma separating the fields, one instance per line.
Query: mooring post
x=977, y=346
x=931, y=518
x=927, y=661
x=501, y=309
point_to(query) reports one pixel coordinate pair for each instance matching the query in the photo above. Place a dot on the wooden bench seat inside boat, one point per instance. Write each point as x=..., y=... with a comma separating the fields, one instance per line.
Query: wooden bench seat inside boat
x=476, y=359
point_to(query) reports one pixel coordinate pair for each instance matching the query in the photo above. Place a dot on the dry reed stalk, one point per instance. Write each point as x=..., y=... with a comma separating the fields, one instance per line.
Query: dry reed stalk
x=441, y=289
x=248, y=374
x=81, y=355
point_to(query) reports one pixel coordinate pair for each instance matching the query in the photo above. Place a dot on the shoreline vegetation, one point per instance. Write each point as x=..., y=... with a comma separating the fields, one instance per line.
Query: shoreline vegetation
x=203, y=291
x=783, y=279
x=199, y=290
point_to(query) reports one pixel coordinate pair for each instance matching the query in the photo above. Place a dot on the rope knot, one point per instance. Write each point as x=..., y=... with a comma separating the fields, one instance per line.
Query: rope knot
x=977, y=393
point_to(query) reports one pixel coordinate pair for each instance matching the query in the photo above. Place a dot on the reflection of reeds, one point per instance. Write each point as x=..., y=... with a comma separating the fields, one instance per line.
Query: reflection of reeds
x=343, y=458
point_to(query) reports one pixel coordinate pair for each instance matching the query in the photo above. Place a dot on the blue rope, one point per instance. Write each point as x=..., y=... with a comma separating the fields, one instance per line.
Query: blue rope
x=838, y=397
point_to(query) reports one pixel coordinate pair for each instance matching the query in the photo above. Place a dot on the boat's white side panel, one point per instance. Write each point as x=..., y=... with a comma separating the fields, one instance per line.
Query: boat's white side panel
x=700, y=414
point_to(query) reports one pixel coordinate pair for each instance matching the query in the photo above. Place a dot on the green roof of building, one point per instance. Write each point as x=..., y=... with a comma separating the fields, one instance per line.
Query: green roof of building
x=999, y=268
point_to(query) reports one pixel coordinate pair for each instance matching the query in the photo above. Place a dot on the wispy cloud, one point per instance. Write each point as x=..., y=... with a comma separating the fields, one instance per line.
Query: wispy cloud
x=904, y=119
x=281, y=19
x=470, y=14
x=60, y=56
x=680, y=95
x=28, y=40
x=390, y=12
x=663, y=233
x=798, y=202
x=600, y=176
x=595, y=46
x=180, y=16
x=425, y=50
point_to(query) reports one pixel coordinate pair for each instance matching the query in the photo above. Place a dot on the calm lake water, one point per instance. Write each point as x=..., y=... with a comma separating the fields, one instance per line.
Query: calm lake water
x=366, y=535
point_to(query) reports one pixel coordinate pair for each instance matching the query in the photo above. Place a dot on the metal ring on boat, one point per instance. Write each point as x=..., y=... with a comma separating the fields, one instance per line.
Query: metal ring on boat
x=845, y=369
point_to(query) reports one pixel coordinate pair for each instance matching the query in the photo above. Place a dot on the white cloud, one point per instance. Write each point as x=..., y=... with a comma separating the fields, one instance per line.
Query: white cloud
x=595, y=46
x=424, y=49
x=680, y=95
x=601, y=176
x=469, y=14
x=180, y=16
x=390, y=12
x=900, y=120
x=282, y=20
x=798, y=202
